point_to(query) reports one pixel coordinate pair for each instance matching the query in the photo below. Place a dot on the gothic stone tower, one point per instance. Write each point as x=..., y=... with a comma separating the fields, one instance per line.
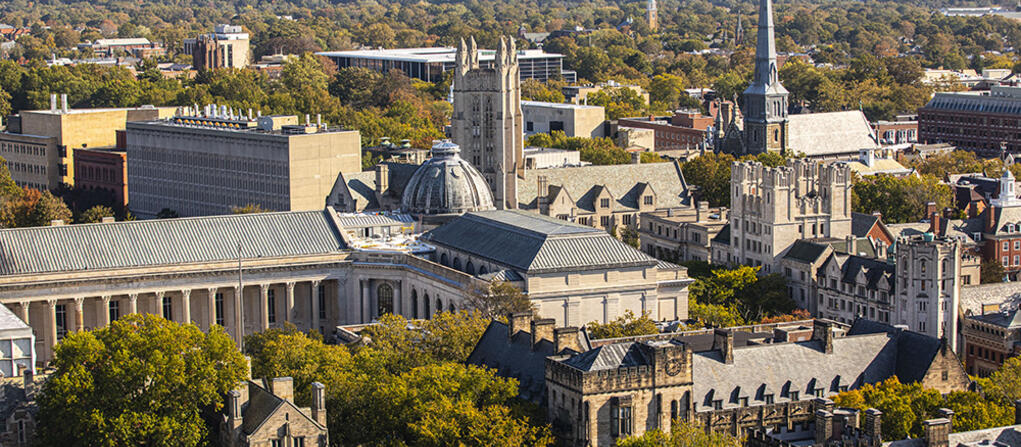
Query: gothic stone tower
x=765, y=100
x=487, y=118
x=652, y=15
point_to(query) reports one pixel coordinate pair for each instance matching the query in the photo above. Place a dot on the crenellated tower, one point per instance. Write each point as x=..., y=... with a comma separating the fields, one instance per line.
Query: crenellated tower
x=487, y=122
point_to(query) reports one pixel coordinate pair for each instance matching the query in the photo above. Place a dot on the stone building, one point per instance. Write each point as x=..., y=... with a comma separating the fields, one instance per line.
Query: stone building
x=771, y=208
x=487, y=121
x=681, y=234
x=207, y=162
x=765, y=114
x=574, y=274
x=729, y=380
x=991, y=338
x=227, y=46
x=446, y=186
x=252, y=272
x=18, y=409
x=574, y=120
x=262, y=413
x=103, y=172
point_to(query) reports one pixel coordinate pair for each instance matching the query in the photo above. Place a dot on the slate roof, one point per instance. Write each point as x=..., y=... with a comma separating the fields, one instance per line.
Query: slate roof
x=1006, y=320
x=529, y=242
x=861, y=224
x=261, y=405
x=1009, y=436
x=1003, y=216
x=830, y=133
x=362, y=185
x=975, y=296
x=875, y=270
x=166, y=242
x=362, y=220
x=610, y=357
x=805, y=251
x=915, y=351
x=972, y=102
x=516, y=358
x=779, y=368
x=723, y=237
x=624, y=183
x=501, y=275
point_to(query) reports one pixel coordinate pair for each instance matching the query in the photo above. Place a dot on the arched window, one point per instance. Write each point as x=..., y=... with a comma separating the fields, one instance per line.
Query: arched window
x=414, y=303
x=443, y=259
x=426, y=302
x=470, y=268
x=385, y=299
x=439, y=305
x=921, y=266
x=457, y=263
x=450, y=306
x=483, y=270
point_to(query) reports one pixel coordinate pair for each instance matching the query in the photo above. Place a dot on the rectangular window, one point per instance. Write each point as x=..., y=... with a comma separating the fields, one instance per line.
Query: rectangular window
x=718, y=404
x=322, y=302
x=793, y=395
x=168, y=308
x=743, y=401
x=271, y=301
x=648, y=200
x=61, y=313
x=299, y=441
x=604, y=221
x=218, y=303
x=115, y=310
x=819, y=392
x=768, y=398
x=604, y=203
x=276, y=443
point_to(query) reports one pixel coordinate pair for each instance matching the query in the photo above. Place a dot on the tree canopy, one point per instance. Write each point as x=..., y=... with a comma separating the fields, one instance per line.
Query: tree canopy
x=626, y=325
x=142, y=380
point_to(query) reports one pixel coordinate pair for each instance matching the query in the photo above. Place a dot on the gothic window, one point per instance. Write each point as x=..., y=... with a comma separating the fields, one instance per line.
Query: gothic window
x=426, y=302
x=443, y=259
x=385, y=299
x=439, y=305
x=470, y=268
x=457, y=263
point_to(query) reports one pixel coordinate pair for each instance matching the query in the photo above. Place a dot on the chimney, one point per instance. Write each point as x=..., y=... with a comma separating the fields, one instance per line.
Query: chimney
x=948, y=213
x=565, y=338
x=934, y=223
x=701, y=211
x=234, y=409
x=283, y=387
x=636, y=158
x=63, y=103
x=822, y=330
x=543, y=192
x=53, y=102
x=319, y=403
x=947, y=414
x=382, y=178
x=936, y=432
x=108, y=219
x=878, y=214
x=28, y=376
x=874, y=425
x=930, y=209
x=823, y=426
x=849, y=242
x=723, y=339
x=519, y=321
x=542, y=330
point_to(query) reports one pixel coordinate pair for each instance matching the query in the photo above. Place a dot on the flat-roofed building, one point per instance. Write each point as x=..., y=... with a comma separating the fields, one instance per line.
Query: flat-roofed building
x=103, y=171
x=226, y=47
x=572, y=119
x=978, y=121
x=429, y=64
x=38, y=145
x=682, y=233
x=207, y=163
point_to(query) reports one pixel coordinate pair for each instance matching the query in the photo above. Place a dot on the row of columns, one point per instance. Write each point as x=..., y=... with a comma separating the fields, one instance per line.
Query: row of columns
x=76, y=322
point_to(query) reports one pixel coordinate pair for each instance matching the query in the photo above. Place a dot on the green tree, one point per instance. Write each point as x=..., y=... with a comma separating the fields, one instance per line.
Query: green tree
x=498, y=299
x=303, y=357
x=904, y=406
x=251, y=208
x=666, y=90
x=900, y=199
x=142, y=380
x=627, y=325
x=973, y=412
x=752, y=296
x=1004, y=385
x=619, y=102
x=714, y=315
x=682, y=434
x=95, y=214
x=992, y=271
x=534, y=90
x=711, y=173
x=629, y=236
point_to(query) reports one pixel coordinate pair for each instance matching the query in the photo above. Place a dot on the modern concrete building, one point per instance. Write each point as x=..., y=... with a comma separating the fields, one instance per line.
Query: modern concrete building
x=226, y=47
x=206, y=163
x=571, y=119
x=39, y=145
x=429, y=64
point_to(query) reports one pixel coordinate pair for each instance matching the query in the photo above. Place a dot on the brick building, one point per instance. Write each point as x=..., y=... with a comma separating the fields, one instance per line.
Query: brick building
x=977, y=121
x=103, y=171
x=1002, y=226
x=680, y=132
x=991, y=338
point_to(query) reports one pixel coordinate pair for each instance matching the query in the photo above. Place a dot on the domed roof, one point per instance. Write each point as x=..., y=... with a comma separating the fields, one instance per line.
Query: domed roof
x=446, y=184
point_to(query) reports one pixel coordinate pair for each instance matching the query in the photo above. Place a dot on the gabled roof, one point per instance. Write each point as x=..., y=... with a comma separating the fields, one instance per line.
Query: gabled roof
x=1002, y=217
x=145, y=243
x=873, y=269
x=610, y=357
x=723, y=237
x=262, y=405
x=805, y=251
x=830, y=133
x=665, y=179
x=915, y=351
x=516, y=358
x=530, y=242
x=861, y=224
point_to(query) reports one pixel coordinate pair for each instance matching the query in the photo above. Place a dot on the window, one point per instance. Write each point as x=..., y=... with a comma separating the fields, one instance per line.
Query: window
x=277, y=443
x=604, y=203
x=529, y=126
x=385, y=299
x=621, y=419
x=818, y=392
x=322, y=302
x=1017, y=260
x=1006, y=261
x=1017, y=245
x=768, y=398
x=718, y=404
x=61, y=313
x=218, y=303
x=115, y=310
x=648, y=200
x=271, y=306
x=793, y=395
x=168, y=308
x=743, y=401
x=1006, y=245
x=604, y=221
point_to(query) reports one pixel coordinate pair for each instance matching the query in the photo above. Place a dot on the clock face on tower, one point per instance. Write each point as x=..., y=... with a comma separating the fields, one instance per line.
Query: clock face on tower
x=673, y=367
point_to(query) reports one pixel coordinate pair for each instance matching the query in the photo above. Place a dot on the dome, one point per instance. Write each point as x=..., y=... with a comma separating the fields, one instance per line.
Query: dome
x=446, y=184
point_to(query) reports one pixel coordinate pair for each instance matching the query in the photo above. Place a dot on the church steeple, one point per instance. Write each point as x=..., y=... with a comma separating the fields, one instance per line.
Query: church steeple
x=765, y=100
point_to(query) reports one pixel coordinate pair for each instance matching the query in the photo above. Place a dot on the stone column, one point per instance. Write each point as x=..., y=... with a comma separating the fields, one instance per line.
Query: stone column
x=24, y=311
x=51, y=327
x=264, y=305
x=211, y=298
x=79, y=314
x=104, y=311
x=133, y=300
x=397, y=303
x=159, y=305
x=314, y=322
x=186, y=306
x=289, y=303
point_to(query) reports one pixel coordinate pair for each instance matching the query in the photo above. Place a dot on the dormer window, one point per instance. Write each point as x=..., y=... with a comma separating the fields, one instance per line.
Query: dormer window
x=1010, y=228
x=648, y=200
x=604, y=203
